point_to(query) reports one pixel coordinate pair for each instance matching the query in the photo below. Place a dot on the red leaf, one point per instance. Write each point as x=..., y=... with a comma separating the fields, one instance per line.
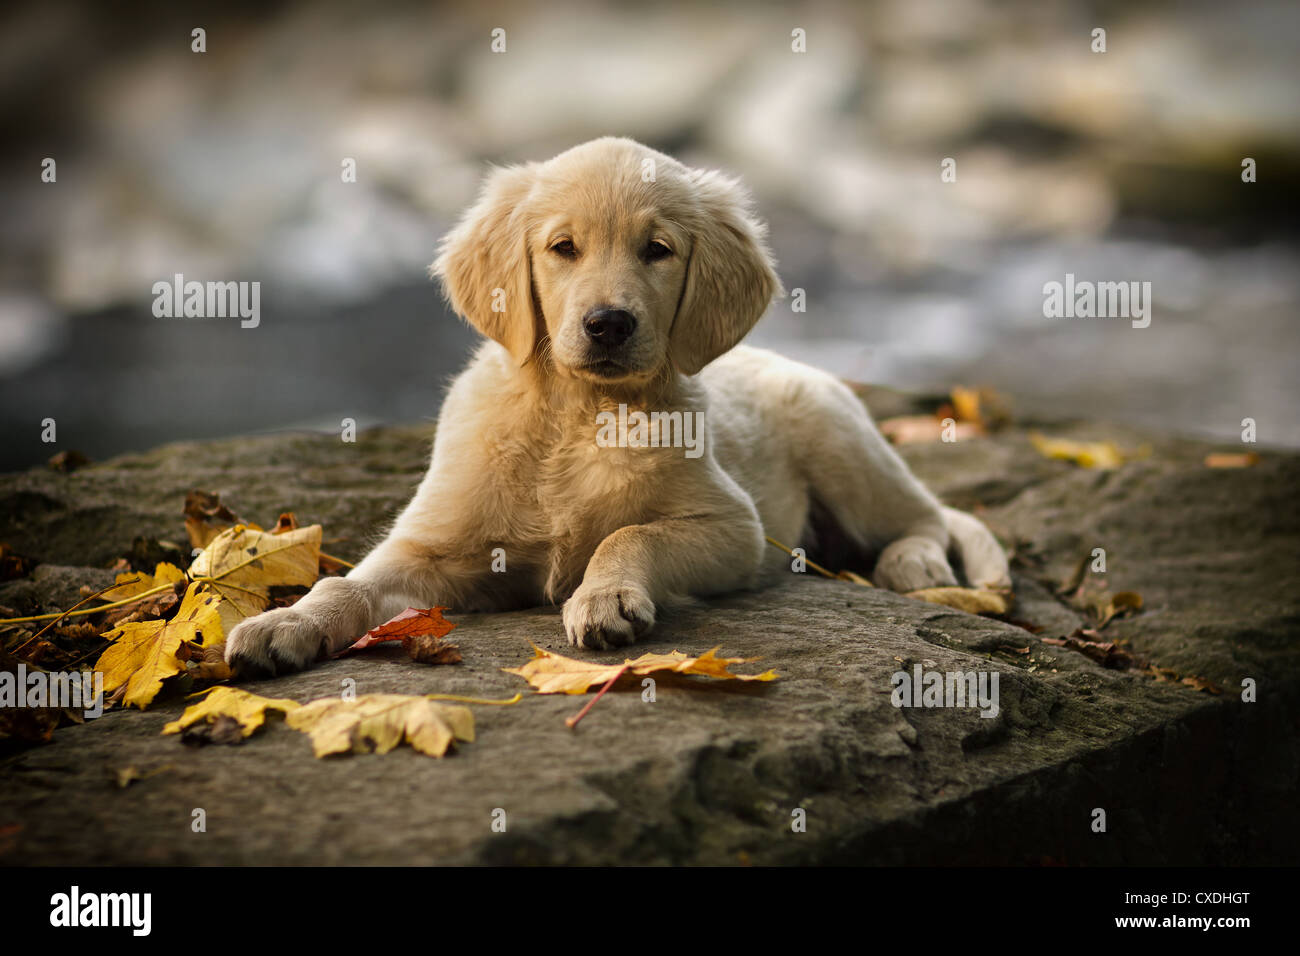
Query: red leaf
x=413, y=622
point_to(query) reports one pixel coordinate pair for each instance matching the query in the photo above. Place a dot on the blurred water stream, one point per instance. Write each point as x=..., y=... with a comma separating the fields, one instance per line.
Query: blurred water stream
x=225, y=165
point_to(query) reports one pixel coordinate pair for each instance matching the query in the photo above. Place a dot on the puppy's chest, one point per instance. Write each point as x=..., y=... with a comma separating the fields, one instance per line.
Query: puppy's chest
x=584, y=496
x=584, y=489
x=566, y=486
x=578, y=493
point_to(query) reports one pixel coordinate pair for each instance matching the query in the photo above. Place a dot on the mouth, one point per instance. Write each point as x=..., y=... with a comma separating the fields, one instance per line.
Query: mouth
x=605, y=368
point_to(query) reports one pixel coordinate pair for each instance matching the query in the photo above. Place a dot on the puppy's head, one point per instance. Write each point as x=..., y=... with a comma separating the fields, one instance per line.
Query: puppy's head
x=623, y=259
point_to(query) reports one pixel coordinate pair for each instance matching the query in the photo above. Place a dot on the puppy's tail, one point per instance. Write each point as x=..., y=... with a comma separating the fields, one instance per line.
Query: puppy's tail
x=982, y=557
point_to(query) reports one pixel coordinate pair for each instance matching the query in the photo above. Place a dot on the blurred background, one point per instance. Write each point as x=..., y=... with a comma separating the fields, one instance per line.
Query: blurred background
x=225, y=165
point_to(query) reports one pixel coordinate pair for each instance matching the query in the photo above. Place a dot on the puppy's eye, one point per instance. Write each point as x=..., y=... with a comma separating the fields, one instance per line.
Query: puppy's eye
x=564, y=247
x=656, y=250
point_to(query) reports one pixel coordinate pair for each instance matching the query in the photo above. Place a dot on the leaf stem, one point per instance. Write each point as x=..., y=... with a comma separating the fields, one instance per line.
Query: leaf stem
x=474, y=700
x=90, y=610
x=807, y=560
x=572, y=722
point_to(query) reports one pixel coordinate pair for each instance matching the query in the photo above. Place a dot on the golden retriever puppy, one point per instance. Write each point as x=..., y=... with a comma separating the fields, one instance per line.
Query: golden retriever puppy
x=611, y=445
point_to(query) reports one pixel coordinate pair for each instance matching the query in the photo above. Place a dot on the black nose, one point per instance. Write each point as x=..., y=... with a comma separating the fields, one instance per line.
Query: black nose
x=609, y=326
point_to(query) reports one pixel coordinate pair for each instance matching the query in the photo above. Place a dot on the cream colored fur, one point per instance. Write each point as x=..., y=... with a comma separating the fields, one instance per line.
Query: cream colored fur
x=618, y=533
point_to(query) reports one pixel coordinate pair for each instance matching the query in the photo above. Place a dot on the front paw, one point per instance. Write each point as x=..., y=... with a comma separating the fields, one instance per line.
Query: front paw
x=913, y=563
x=600, y=616
x=275, y=642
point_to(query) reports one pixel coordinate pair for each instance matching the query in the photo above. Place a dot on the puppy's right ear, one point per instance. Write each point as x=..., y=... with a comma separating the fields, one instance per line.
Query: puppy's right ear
x=484, y=266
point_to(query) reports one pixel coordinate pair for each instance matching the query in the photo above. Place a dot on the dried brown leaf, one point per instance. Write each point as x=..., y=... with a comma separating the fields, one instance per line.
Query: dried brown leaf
x=427, y=649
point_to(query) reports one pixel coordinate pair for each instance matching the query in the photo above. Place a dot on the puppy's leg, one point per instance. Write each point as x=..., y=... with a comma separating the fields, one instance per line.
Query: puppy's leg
x=396, y=575
x=868, y=489
x=641, y=566
x=982, y=557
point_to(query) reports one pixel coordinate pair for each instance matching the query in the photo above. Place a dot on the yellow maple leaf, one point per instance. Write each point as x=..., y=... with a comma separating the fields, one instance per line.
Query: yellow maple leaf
x=1089, y=454
x=966, y=404
x=131, y=583
x=248, y=709
x=144, y=653
x=376, y=723
x=970, y=600
x=708, y=664
x=555, y=674
x=242, y=564
x=1119, y=605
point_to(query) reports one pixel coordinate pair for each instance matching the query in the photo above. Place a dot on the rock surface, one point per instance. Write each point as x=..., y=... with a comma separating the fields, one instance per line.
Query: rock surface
x=714, y=774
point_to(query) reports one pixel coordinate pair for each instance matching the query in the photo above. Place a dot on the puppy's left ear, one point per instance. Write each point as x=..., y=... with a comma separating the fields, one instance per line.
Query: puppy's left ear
x=730, y=278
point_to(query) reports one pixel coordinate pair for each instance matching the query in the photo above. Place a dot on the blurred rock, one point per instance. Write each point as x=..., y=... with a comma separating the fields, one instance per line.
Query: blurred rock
x=711, y=774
